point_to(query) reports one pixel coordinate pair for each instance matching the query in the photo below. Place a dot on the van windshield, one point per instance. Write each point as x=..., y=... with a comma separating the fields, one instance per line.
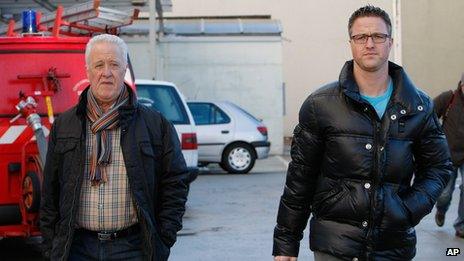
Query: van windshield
x=164, y=99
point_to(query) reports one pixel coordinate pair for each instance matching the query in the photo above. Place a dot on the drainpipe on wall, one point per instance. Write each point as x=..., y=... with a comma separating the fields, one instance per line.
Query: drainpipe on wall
x=397, y=46
x=159, y=12
x=152, y=37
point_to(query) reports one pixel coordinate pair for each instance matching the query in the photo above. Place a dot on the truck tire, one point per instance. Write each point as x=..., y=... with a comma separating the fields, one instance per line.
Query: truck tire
x=31, y=192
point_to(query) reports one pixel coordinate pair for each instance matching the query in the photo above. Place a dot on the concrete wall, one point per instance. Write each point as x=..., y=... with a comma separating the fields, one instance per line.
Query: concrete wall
x=315, y=38
x=433, y=43
x=244, y=70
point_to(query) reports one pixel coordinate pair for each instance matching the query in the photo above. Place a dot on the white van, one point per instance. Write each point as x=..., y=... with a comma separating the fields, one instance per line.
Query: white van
x=166, y=98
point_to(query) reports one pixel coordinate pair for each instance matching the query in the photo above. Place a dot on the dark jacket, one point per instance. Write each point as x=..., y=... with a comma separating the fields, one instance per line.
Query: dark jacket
x=353, y=172
x=155, y=167
x=454, y=123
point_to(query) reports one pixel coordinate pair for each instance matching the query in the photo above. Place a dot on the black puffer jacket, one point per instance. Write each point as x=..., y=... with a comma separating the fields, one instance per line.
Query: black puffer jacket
x=353, y=172
x=155, y=167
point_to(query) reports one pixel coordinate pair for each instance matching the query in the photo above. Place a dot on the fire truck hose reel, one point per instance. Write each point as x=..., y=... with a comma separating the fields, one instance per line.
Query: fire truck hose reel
x=27, y=109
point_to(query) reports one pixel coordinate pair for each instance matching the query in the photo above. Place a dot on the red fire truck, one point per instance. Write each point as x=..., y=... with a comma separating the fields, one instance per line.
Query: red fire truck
x=41, y=75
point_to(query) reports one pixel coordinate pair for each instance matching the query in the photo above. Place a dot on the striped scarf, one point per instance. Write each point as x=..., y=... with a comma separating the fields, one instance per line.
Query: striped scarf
x=99, y=124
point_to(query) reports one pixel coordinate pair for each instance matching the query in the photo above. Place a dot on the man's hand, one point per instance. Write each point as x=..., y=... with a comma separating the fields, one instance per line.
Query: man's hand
x=285, y=258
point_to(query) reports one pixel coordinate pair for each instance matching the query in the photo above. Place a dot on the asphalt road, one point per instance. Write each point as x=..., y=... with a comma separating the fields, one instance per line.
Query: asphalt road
x=231, y=217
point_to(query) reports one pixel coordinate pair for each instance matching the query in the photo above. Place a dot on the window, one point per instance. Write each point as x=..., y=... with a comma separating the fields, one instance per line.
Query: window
x=208, y=113
x=164, y=99
x=245, y=112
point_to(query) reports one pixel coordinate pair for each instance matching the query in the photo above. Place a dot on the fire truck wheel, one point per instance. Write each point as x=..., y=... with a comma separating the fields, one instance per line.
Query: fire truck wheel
x=31, y=192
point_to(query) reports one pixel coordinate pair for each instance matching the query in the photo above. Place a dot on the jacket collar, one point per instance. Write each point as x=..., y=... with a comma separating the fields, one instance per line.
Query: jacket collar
x=404, y=93
x=125, y=112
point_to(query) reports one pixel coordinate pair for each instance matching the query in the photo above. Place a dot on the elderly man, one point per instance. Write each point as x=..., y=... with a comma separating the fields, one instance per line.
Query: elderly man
x=359, y=143
x=115, y=178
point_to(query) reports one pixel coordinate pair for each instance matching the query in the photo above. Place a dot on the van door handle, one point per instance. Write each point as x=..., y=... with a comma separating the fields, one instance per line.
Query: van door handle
x=224, y=131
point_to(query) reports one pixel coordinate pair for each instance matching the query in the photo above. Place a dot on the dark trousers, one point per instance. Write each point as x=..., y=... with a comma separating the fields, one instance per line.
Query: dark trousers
x=87, y=246
x=444, y=200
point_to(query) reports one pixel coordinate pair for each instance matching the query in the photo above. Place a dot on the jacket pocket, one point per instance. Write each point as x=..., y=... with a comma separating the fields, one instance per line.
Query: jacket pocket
x=64, y=156
x=150, y=160
x=64, y=146
x=395, y=214
x=150, y=151
x=324, y=201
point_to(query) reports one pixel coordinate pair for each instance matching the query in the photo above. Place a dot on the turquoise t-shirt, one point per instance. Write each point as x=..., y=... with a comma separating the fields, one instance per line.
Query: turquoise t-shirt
x=380, y=102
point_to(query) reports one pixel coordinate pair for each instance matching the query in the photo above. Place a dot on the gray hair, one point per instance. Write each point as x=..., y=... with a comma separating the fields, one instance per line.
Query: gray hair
x=106, y=38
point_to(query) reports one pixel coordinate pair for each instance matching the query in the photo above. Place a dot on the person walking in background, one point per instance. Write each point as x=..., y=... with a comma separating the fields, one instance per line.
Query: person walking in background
x=115, y=181
x=449, y=106
x=359, y=143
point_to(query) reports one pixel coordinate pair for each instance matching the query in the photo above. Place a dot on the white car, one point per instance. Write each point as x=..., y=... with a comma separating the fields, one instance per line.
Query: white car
x=228, y=135
x=166, y=98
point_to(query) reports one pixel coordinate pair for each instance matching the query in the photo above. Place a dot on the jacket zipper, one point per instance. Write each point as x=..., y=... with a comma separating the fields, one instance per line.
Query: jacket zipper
x=372, y=191
x=138, y=209
x=147, y=237
x=76, y=194
x=379, y=137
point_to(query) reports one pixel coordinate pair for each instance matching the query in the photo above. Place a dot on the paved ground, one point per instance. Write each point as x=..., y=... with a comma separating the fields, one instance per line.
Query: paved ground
x=231, y=217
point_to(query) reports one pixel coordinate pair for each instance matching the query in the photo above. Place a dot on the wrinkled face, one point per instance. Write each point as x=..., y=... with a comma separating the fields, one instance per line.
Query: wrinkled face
x=370, y=56
x=105, y=71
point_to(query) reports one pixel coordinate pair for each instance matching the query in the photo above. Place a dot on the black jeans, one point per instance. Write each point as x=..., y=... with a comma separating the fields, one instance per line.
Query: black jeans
x=86, y=246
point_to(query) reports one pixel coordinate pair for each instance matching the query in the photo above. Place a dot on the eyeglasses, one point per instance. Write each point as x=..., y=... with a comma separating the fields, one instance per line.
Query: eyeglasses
x=376, y=38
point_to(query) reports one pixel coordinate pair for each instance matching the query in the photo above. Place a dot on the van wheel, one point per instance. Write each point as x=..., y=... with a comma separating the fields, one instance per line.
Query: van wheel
x=238, y=158
x=31, y=192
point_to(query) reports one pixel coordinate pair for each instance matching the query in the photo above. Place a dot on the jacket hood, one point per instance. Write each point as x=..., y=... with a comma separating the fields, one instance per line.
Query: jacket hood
x=404, y=93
